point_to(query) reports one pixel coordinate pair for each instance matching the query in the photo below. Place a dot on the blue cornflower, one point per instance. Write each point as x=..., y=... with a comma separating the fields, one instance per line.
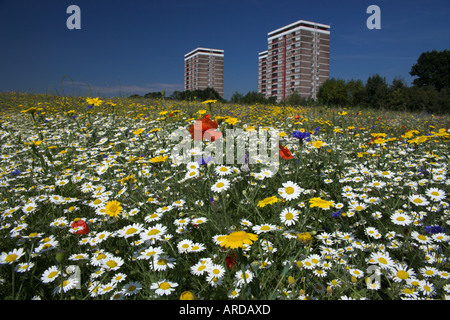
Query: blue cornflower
x=434, y=229
x=204, y=161
x=316, y=131
x=301, y=134
x=337, y=214
x=15, y=172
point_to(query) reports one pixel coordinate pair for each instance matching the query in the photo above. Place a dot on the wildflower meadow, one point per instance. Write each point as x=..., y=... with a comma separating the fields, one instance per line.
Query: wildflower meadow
x=97, y=205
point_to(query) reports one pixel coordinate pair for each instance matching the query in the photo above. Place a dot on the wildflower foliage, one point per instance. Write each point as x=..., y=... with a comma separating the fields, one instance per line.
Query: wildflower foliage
x=96, y=206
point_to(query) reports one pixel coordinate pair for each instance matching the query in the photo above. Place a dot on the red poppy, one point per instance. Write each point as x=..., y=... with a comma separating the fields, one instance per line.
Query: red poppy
x=297, y=117
x=284, y=152
x=81, y=225
x=205, y=128
x=230, y=260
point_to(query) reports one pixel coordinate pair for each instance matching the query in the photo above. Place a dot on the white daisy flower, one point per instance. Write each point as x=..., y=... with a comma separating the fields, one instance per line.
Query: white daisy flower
x=289, y=216
x=220, y=185
x=164, y=287
x=290, y=190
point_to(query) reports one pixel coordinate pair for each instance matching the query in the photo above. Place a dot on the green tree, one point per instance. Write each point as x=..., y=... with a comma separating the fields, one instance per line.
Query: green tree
x=333, y=92
x=355, y=93
x=423, y=99
x=376, y=92
x=236, y=97
x=398, y=98
x=432, y=69
x=295, y=99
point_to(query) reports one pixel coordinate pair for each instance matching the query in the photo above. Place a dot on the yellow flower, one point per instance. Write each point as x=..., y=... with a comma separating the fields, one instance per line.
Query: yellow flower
x=113, y=208
x=378, y=135
x=200, y=112
x=94, y=101
x=231, y=120
x=379, y=140
x=319, y=202
x=304, y=237
x=129, y=178
x=269, y=200
x=34, y=143
x=187, y=295
x=138, y=131
x=32, y=110
x=317, y=144
x=237, y=239
x=209, y=101
x=159, y=159
x=155, y=130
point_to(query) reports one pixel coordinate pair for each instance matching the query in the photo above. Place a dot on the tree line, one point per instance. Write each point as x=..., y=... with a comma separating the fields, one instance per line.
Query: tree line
x=430, y=90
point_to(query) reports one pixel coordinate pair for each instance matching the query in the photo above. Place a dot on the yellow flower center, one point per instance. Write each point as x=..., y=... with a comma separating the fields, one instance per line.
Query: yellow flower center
x=220, y=185
x=131, y=231
x=289, y=216
x=53, y=274
x=153, y=232
x=408, y=291
x=111, y=263
x=289, y=190
x=162, y=262
x=164, y=285
x=422, y=237
x=402, y=274
x=101, y=256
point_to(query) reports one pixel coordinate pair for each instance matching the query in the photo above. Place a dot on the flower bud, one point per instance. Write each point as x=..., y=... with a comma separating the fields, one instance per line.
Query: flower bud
x=187, y=295
x=60, y=255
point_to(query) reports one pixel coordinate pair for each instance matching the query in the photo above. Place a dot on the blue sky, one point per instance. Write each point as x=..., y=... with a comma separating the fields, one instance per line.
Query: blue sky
x=138, y=46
